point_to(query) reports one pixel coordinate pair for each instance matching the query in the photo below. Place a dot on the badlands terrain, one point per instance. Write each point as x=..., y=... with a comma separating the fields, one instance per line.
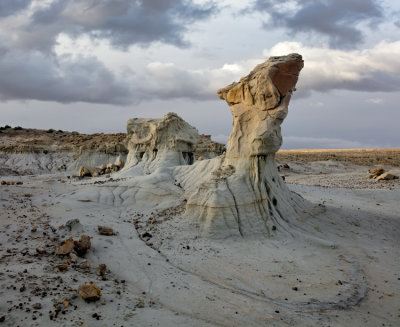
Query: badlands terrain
x=162, y=226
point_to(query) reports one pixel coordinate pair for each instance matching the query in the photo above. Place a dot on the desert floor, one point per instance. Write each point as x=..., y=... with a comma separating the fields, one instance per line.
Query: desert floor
x=343, y=269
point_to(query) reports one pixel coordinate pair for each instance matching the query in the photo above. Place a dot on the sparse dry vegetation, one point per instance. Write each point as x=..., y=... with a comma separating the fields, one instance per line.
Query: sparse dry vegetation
x=27, y=140
x=365, y=157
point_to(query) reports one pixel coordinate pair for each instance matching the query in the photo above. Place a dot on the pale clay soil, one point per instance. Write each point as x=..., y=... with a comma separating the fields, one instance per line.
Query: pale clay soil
x=341, y=269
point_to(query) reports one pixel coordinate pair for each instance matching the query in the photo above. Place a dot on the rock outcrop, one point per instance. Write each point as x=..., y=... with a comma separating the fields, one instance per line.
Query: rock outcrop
x=245, y=195
x=166, y=142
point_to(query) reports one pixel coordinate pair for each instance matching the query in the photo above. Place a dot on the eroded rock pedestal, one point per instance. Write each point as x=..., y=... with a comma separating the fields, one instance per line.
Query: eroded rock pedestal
x=245, y=195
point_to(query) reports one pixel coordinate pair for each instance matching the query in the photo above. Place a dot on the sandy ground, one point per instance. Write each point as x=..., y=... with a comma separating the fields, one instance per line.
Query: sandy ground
x=341, y=269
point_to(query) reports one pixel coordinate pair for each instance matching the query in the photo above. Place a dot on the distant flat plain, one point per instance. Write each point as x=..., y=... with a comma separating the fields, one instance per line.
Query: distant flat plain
x=358, y=156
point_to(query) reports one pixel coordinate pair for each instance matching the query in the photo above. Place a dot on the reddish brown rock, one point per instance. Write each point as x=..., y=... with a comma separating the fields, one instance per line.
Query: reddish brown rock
x=65, y=247
x=285, y=75
x=89, y=292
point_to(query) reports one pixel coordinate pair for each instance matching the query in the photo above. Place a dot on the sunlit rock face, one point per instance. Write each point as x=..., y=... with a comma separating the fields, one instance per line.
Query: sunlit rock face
x=259, y=103
x=244, y=194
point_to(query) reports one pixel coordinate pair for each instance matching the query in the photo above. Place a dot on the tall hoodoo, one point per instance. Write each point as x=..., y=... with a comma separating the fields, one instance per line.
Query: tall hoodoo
x=246, y=196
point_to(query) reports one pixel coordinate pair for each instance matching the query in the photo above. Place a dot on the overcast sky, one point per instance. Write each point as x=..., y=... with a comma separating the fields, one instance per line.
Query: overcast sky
x=89, y=65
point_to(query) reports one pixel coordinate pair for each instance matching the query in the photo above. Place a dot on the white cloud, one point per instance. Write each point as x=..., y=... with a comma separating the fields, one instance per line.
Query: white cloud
x=372, y=70
x=375, y=69
x=375, y=100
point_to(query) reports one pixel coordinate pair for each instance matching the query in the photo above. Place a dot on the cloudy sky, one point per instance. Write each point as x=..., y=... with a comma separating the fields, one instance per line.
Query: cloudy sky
x=89, y=65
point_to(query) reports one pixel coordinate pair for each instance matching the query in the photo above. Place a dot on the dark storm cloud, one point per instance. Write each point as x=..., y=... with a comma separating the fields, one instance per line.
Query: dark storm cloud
x=36, y=76
x=10, y=7
x=30, y=68
x=122, y=22
x=335, y=19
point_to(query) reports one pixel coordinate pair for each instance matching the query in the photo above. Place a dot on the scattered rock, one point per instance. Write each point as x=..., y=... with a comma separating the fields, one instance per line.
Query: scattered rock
x=40, y=250
x=73, y=257
x=65, y=247
x=37, y=306
x=84, y=171
x=83, y=266
x=105, y=230
x=72, y=223
x=33, y=229
x=82, y=245
x=101, y=269
x=63, y=267
x=388, y=293
x=147, y=235
x=89, y=292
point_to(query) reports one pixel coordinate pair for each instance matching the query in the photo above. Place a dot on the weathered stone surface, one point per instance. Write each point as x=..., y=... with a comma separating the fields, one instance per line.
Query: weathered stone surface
x=386, y=177
x=82, y=245
x=245, y=195
x=89, y=292
x=65, y=247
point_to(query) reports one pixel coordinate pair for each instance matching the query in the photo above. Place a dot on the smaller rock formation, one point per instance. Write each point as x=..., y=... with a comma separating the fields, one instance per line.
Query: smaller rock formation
x=166, y=142
x=154, y=143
